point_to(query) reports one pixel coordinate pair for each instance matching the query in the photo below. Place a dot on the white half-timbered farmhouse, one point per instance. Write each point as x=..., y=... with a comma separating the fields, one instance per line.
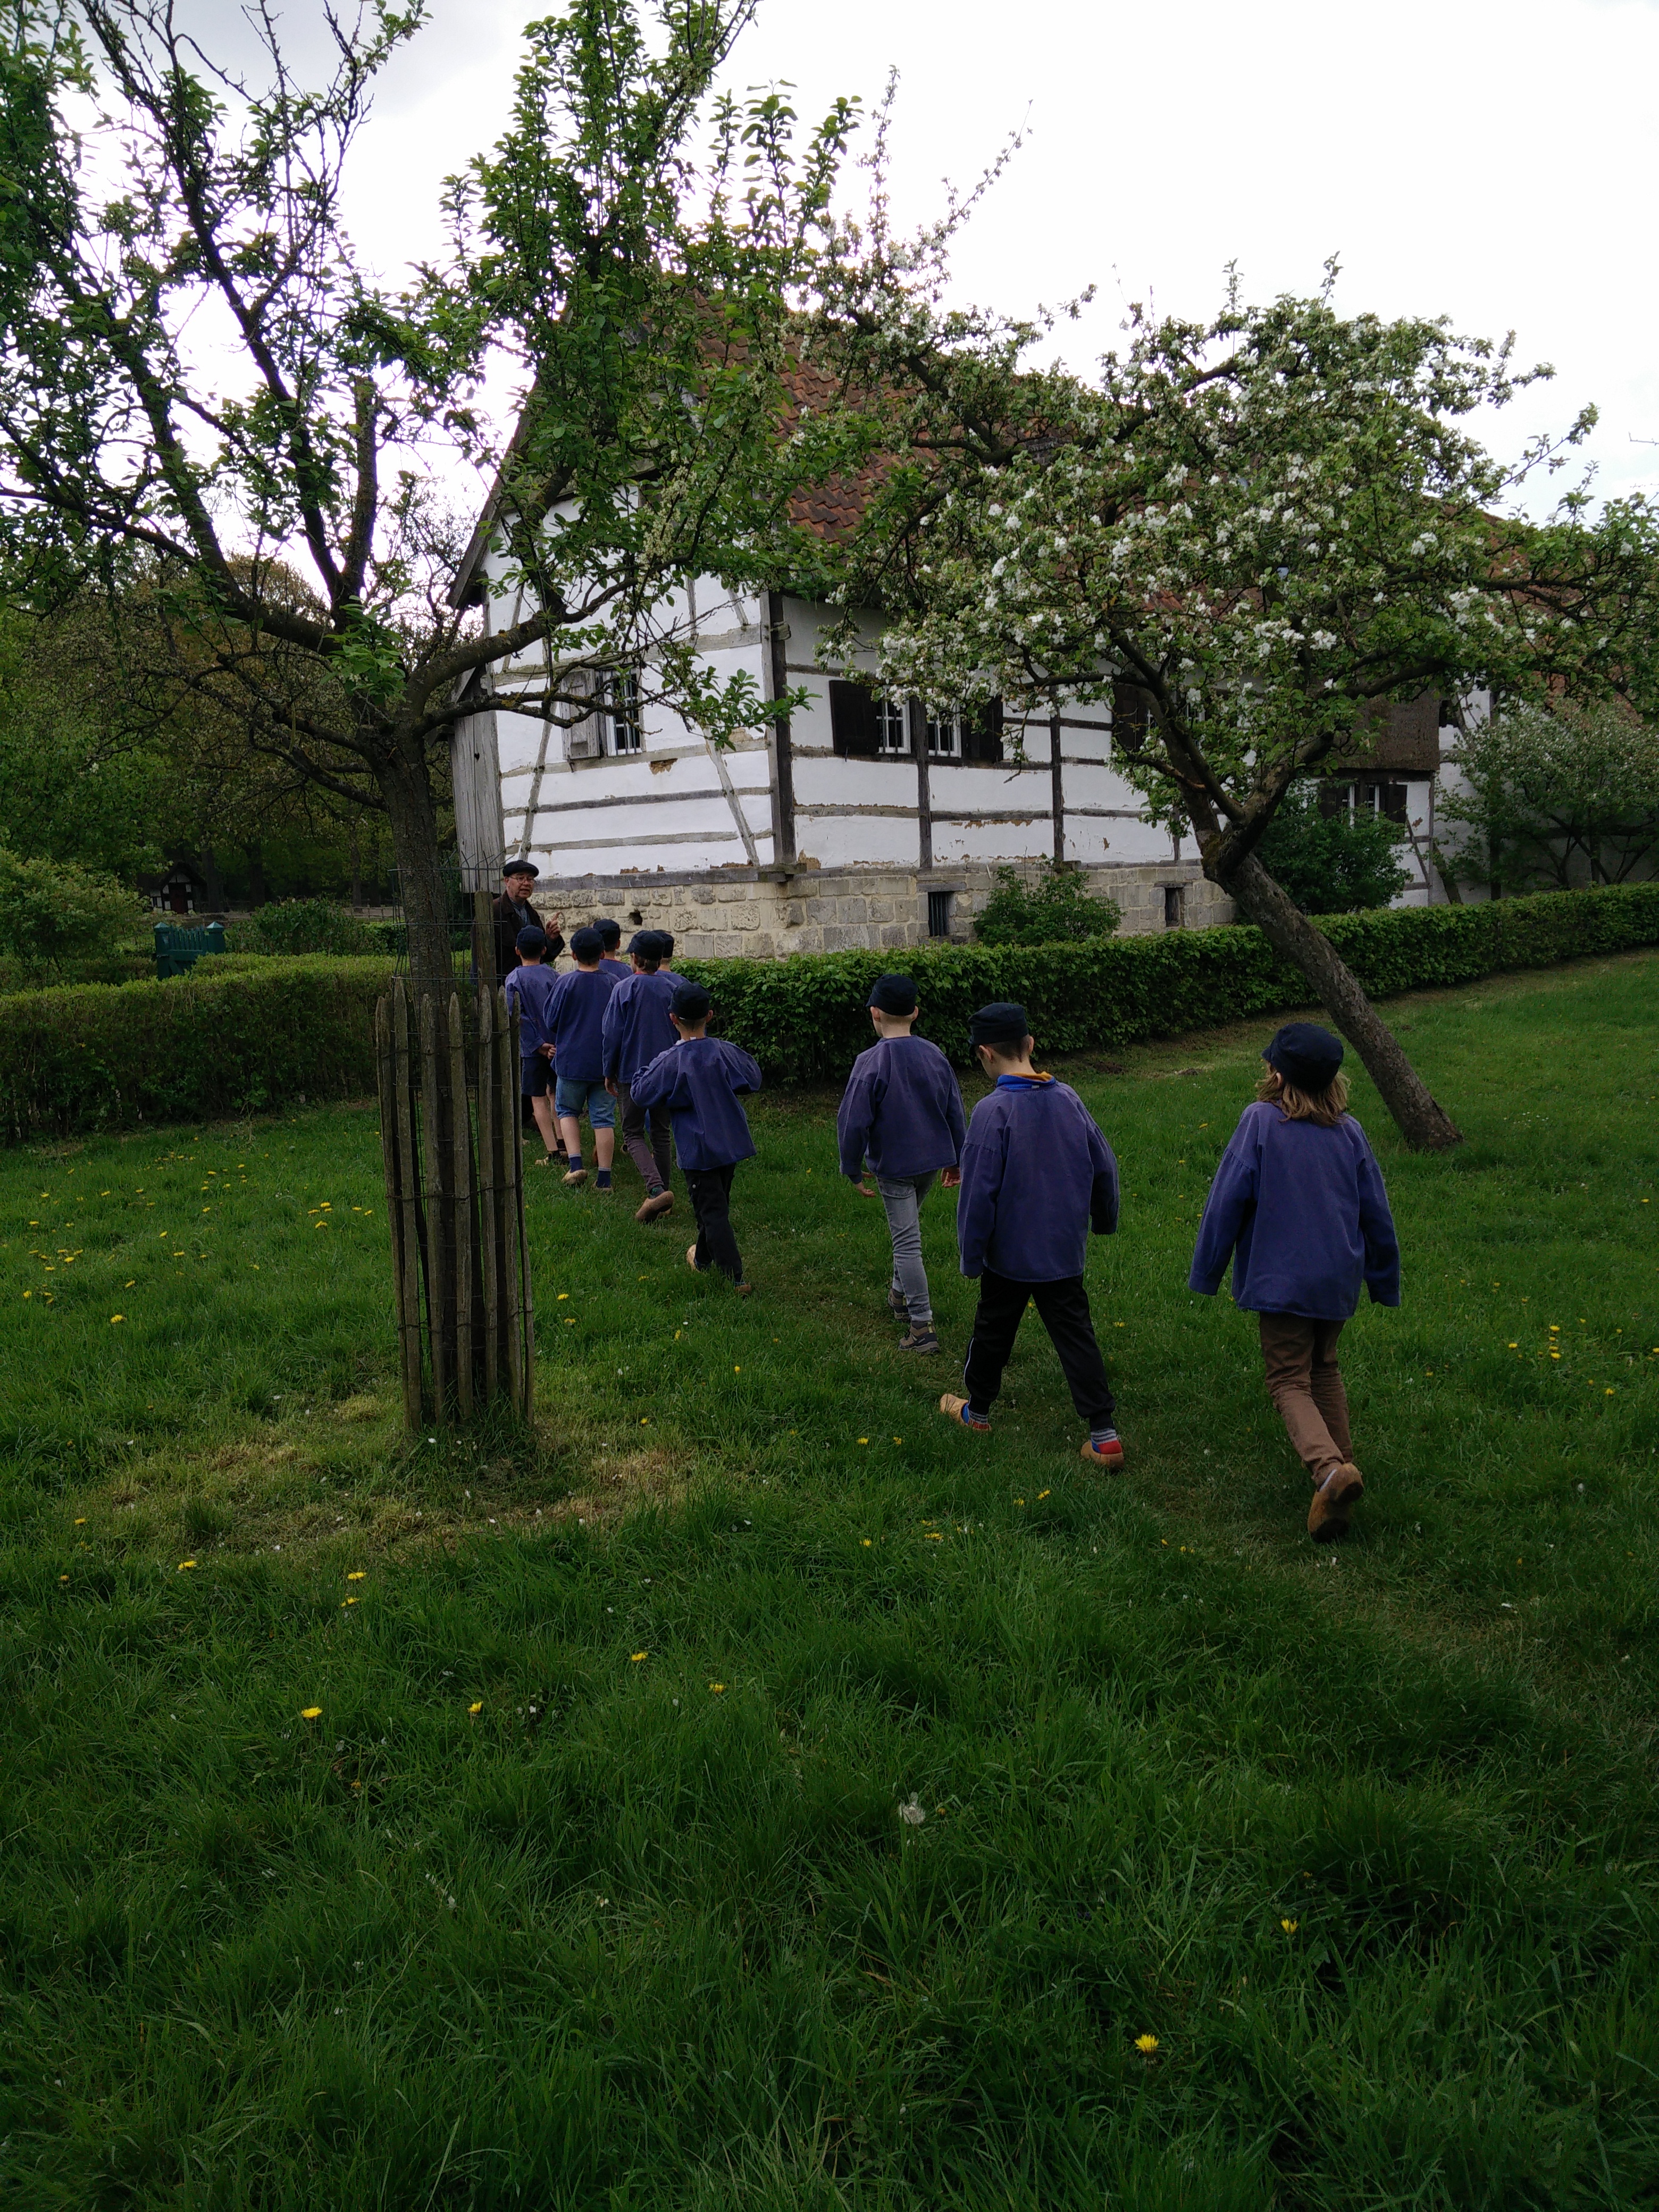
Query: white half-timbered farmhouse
x=856, y=823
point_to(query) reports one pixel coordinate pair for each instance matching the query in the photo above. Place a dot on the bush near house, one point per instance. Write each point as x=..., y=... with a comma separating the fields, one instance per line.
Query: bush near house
x=302, y=926
x=271, y=1031
x=1340, y=863
x=1058, y=907
x=196, y=1047
x=804, y=1018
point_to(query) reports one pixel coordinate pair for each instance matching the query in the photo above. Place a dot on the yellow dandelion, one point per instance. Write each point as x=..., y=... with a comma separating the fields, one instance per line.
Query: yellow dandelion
x=634, y=1657
x=1042, y=1493
x=1290, y=1926
x=80, y=1520
x=475, y=1710
x=863, y=1440
x=1019, y=1501
x=356, y=1575
x=717, y=1687
x=864, y=1541
x=183, y=1564
x=115, y=1317
x=645, y=1420
x=737, y=1370
x=311, y=1712
x=63, y=1578
x=933, y=1536
x=128, y=1285
x=1146, y=2044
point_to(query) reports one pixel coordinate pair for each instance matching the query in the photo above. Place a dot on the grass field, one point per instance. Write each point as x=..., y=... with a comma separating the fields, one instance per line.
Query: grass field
x=587, y=1884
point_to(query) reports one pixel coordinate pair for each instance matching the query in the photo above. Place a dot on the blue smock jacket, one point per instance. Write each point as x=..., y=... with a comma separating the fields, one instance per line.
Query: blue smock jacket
x=902, y=1110
x=1302, y=1212
x=1035, y=1173
x=637, y=1024
x=530, y=989
x=699, y=1080
x=576, y=1022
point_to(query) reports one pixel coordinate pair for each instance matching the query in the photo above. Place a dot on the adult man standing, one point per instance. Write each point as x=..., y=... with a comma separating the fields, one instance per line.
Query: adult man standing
x=512, y=912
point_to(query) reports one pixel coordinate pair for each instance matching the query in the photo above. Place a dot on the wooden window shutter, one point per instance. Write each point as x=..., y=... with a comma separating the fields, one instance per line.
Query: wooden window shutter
x=981, y=732
x=853, y=719
x=584, y=738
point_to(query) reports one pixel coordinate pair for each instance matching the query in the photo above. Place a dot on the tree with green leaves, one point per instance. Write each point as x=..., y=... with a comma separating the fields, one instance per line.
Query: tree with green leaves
x=1331, y=859
x=1245, y=533
x=1555, y=795
x=209, y=402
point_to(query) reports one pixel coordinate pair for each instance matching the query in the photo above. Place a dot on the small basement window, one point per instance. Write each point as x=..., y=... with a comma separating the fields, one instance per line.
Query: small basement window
x=939, y=913
x=1175, y=906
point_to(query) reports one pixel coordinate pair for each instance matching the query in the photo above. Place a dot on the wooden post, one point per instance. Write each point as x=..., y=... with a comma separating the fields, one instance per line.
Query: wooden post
x=917, y=718
x=461, y=1198
x=1057, y=789
x=405, y=1277
x=409, y=1188
x=439, y=1270
x=511, y=1217
x=489, y=1202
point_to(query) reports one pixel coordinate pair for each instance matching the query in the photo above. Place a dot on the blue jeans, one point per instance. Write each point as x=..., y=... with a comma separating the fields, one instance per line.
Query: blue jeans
x=903, y=1196
x=573, y=1097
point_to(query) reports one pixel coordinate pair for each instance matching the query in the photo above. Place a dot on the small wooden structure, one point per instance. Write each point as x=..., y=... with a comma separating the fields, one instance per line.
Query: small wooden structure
x=455, y=1185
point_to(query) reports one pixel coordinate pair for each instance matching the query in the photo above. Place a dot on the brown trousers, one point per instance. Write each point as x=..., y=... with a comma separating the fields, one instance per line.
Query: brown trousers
x=1305, y=1384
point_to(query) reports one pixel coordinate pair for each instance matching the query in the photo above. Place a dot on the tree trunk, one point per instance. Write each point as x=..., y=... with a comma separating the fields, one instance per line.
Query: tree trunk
x=422, y=878
x=1425, y=1125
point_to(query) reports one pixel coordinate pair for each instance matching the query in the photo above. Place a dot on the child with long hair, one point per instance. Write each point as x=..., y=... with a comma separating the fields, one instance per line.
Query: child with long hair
x=1297, y=1204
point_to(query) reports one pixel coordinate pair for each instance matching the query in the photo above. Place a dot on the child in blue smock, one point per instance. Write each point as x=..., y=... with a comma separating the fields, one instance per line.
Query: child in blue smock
x=700, y=1080
x=1298, y=1206
x=575, y=1023
x=1037, y=1175
x=637, y=1028
x=901, y=1111
x=529, y=987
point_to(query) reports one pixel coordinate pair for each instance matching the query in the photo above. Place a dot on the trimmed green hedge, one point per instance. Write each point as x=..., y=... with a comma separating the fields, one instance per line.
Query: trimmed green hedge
x=271, y=1032
x=804, y=1019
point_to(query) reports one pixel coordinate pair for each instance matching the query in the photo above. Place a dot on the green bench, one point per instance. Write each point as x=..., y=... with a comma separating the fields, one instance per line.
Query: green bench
x=178, y=951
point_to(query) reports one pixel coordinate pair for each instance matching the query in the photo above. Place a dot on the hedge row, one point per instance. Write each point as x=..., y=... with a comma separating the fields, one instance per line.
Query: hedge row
x=804, y=1018
x=272, y=1032
x=231, y=1037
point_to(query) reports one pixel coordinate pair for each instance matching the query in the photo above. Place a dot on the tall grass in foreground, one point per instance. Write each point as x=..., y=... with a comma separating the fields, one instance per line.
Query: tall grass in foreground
x=588, y=1883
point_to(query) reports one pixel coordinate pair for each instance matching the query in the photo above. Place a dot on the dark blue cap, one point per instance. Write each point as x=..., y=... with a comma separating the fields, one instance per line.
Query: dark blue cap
x=521, y=868
x=895, y=994
x=1304, y=1054
x=691, y=1002
x=1001, y=1023
x=531, y=939
x=586, y=946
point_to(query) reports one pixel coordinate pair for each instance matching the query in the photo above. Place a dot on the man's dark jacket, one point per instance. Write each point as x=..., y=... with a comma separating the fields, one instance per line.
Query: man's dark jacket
x=509, y=920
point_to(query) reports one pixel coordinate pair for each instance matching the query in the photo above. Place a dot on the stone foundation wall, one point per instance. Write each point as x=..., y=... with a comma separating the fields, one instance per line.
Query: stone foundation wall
x=761, y=914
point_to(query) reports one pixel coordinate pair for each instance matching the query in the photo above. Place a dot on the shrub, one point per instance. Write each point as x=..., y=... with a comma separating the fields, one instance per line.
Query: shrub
x=804, y=1019
x=269, y=1032
x=86, y=1056
x=1338, y=863
x=52, y=911
x=1058, y=909
x=301, y=926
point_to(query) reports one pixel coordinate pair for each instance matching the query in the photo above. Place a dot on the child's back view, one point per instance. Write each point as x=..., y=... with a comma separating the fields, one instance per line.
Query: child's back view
x=1298, y=1204
x=1037, y=1177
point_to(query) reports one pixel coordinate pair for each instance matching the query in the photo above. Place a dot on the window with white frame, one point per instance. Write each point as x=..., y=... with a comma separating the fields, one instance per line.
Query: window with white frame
x=945, y=737
x=892, y=727
x=621, y=699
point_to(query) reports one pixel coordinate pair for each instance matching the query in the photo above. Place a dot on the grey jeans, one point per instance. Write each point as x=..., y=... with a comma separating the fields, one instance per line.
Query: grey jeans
x=903, y=1196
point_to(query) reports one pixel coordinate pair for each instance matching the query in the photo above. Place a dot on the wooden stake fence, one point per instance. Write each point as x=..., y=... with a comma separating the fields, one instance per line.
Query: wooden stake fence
x=455, y=1188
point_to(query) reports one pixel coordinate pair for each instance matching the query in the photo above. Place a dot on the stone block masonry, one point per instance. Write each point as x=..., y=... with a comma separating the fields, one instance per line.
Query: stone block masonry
x=765, y=913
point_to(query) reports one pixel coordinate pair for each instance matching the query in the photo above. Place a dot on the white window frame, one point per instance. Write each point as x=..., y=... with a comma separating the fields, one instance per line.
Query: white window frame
x=945, y=737
x=892, y=728
x=623, y=729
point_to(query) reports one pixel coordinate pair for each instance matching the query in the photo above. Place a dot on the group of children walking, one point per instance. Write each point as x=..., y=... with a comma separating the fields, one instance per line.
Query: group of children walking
x=1298, y=1203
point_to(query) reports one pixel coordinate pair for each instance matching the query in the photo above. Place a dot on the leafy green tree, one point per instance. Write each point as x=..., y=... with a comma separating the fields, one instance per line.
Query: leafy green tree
x=1332, y=863
x=1245, y=533
x=52, y=911
x=280, y=486
x=1555, y=794
x=1058, y=907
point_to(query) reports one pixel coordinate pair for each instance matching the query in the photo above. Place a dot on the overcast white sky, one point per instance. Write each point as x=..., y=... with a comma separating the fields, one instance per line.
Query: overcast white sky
x=1490, y=160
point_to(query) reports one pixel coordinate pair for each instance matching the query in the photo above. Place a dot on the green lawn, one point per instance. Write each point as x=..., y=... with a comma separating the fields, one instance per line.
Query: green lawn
x=588, y=1885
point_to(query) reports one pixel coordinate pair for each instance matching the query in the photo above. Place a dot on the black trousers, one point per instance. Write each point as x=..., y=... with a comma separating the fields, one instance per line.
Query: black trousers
x=1063, y=1309
x=710, y=1192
